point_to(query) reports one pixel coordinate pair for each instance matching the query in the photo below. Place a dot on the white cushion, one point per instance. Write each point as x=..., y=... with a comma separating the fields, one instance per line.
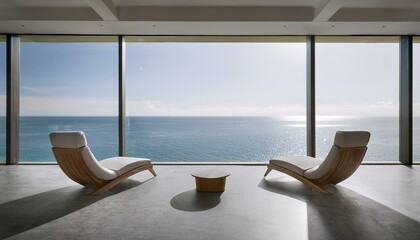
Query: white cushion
x=313, y=168
x=297, y=164
x=75, y=140
x=351, y=138
x=97, y=169
x=122, y=165
x=342, y=139
x=68, y=139
x=324, y=167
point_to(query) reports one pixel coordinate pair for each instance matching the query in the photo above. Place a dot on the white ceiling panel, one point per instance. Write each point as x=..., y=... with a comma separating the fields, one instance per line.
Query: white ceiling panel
x=211, y=17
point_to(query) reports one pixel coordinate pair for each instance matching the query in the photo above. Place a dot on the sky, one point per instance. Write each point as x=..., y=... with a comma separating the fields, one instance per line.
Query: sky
x=209, y=79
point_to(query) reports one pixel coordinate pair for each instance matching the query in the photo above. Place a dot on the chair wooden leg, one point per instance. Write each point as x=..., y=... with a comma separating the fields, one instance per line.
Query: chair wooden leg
x=102, y=189
x=117, y=180
x=152, y=171
x=316, y=187
x=268, y=170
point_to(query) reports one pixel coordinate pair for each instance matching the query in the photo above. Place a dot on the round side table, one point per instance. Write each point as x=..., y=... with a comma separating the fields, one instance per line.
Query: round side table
x=210, y=180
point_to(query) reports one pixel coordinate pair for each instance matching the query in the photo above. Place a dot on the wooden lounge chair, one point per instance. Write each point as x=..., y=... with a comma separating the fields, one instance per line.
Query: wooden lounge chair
x=78, y=163
x=343, y=159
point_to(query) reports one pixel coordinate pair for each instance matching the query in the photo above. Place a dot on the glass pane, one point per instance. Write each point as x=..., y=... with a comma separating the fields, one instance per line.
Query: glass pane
x=216, y=101
x=357, y=89
x=68, y=83
x=416, y=99
x=2, y=99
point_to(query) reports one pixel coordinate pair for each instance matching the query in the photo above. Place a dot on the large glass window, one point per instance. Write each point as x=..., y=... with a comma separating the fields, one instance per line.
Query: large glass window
x=357, y=82
x=2, y=99
x=68, y=83
x=215, y=99
x=416, y=99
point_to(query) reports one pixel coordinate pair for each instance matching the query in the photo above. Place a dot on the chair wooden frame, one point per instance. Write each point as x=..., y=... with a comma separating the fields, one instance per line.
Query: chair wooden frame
x=73, y=165
x=347, y=161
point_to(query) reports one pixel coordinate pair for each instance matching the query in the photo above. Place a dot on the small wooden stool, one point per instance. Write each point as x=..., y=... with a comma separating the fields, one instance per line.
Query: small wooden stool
x=210, y=180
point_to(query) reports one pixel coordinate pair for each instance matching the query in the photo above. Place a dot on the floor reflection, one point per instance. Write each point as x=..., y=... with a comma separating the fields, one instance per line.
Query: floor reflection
x=345, y=214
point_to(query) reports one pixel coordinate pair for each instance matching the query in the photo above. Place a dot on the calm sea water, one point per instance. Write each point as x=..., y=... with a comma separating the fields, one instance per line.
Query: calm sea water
x=207, y=139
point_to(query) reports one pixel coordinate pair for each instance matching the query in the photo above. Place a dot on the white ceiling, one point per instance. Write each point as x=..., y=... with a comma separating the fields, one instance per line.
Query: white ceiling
x=211, y=17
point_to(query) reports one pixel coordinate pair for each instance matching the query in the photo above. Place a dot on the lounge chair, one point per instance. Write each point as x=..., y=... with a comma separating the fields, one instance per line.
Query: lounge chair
x=78, y=163
x=343, y=159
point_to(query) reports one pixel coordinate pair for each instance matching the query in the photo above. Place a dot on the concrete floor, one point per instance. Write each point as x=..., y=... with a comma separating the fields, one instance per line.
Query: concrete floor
x=377, y=202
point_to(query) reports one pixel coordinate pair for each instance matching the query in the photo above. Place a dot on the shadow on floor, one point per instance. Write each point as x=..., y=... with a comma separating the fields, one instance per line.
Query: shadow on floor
x=30, y=212
x=345, y=214
x=193, y=201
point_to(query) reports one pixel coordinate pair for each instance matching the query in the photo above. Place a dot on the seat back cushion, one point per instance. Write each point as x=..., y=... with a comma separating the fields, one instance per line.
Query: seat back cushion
x=97, y=169
x=68, y=139
x=76, y=140
x=343, y=139
x=346, y=139
x=322, y=169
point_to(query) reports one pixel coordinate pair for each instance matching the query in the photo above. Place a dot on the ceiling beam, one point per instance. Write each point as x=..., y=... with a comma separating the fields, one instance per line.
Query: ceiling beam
x=215, y=13
x=326, y=9
x=105, y=9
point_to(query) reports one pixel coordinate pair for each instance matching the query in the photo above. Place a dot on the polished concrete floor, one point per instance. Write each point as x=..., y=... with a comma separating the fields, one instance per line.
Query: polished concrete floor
x=377, y=202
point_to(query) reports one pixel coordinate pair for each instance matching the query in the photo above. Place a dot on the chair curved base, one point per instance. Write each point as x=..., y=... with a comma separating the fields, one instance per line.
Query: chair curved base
x=119, y=179
x=73, y=165
x=304, y=180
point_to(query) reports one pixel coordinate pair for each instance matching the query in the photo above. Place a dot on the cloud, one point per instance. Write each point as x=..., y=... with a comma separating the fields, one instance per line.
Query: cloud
x=35, y=90
x=381, y=108
x=156, y=108
x=33, y=106
x=36, y=106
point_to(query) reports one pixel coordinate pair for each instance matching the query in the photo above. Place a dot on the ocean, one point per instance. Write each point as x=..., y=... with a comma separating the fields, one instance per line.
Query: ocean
x=208, y=139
